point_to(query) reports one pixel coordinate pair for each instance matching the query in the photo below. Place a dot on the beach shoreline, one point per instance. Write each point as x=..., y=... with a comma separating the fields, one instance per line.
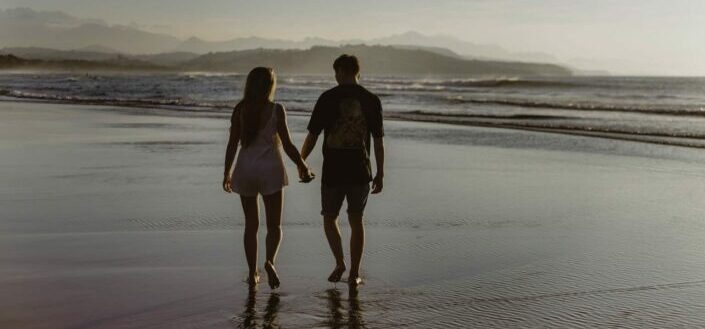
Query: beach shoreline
x=482, y=121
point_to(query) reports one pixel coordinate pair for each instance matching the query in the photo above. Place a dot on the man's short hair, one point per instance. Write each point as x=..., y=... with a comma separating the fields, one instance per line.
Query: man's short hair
x=347, y=64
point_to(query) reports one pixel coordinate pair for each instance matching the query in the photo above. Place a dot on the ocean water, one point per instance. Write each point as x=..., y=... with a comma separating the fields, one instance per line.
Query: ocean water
x=653, y=109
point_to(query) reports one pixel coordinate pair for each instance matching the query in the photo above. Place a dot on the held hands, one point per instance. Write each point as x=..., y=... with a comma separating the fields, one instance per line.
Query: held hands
x=305, y=174
x=377, y=184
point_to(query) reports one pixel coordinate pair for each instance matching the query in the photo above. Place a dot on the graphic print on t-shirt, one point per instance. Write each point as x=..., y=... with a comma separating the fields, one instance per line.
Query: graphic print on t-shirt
x=350, y=129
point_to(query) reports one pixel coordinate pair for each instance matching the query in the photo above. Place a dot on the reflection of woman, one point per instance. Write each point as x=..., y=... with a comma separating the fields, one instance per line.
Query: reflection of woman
x=249, y=316
x=271, y=313
x=260, y=126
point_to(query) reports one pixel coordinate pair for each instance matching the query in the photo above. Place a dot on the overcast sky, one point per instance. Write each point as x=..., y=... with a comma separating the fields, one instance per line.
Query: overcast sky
x=653, y=35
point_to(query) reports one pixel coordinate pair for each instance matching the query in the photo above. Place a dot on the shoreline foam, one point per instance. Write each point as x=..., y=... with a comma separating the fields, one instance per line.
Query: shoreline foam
x=529, y=122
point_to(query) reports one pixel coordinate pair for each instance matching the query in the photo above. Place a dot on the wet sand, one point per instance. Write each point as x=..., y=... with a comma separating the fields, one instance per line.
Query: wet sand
x=114, y=218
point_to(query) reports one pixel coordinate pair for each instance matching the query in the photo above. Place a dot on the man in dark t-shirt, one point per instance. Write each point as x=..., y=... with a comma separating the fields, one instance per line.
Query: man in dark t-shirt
x=348, y=115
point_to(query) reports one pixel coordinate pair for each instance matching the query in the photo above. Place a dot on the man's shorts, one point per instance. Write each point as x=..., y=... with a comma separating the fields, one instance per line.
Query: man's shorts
x=332, y=198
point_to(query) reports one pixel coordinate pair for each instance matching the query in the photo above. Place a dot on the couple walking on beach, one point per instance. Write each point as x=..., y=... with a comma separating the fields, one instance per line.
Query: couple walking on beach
x=348, y=115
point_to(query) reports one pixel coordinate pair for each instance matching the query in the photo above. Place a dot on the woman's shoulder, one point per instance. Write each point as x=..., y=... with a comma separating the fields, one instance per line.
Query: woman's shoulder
x=237, y=109
x=279, y=108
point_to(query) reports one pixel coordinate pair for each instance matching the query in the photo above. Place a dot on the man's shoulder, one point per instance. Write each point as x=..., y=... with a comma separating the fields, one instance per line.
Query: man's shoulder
x=330, y=92
x=345, y=91
x=368, y=93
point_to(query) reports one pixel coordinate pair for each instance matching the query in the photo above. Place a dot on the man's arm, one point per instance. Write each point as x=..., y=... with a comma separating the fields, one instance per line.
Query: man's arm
x=378, y=181
x=377, y=131
x=309, y=144
x=315, y=127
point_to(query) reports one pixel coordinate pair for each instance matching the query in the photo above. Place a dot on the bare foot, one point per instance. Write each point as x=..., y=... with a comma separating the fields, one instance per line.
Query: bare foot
x=272, y=276
x=354, y=280
x=253, y=279
x=337, y=273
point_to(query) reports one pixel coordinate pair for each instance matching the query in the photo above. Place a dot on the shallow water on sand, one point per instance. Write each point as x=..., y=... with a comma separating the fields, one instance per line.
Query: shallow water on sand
x=112, y=218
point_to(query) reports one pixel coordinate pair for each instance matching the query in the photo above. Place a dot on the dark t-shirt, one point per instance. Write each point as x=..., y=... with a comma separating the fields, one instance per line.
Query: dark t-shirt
x=347, y=114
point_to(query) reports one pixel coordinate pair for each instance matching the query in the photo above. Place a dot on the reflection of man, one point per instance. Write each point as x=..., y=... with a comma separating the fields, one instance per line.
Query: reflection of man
x=335, y=305
x=348, y=115
x=354, y=310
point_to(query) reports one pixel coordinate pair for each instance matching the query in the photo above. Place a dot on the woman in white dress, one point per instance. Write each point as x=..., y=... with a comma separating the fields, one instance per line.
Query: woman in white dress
x=259, y=126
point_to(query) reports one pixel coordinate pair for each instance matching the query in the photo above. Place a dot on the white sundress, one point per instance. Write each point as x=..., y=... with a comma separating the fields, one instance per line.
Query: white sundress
x=259, y=168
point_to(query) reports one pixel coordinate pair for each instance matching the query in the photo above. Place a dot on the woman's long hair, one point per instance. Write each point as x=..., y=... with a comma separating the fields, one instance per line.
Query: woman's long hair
x=259, y=90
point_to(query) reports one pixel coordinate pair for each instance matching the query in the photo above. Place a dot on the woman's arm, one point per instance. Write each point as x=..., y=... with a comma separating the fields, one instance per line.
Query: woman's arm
x=289, y=148
x=309, y=144
x=231, y=150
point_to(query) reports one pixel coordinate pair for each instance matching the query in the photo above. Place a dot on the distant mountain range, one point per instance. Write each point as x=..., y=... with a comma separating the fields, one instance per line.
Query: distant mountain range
x=56, y=40
x=375, y=60
x=12, y=62
x=94, y=54
x=24, y=27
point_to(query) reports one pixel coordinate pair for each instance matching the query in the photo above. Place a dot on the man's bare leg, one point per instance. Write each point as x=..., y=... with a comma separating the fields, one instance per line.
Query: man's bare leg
x=330, y=224
x=357, y=245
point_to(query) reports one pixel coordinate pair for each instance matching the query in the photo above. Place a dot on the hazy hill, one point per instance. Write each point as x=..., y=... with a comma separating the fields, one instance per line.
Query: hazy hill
x=12, y=62
x=55, y=54
x=446, y=45
x=24, y=27
x=98, y=49
x=386, y=60
x=437, y=50
x=468, y=49
x=172, y=59
x=375, y=60
x=196, y=45
x=121, y=38
x=95, y=54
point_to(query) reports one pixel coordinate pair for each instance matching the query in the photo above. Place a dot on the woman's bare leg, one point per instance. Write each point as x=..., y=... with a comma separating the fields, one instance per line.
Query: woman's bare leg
x=273, y=209
x=251, y=210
